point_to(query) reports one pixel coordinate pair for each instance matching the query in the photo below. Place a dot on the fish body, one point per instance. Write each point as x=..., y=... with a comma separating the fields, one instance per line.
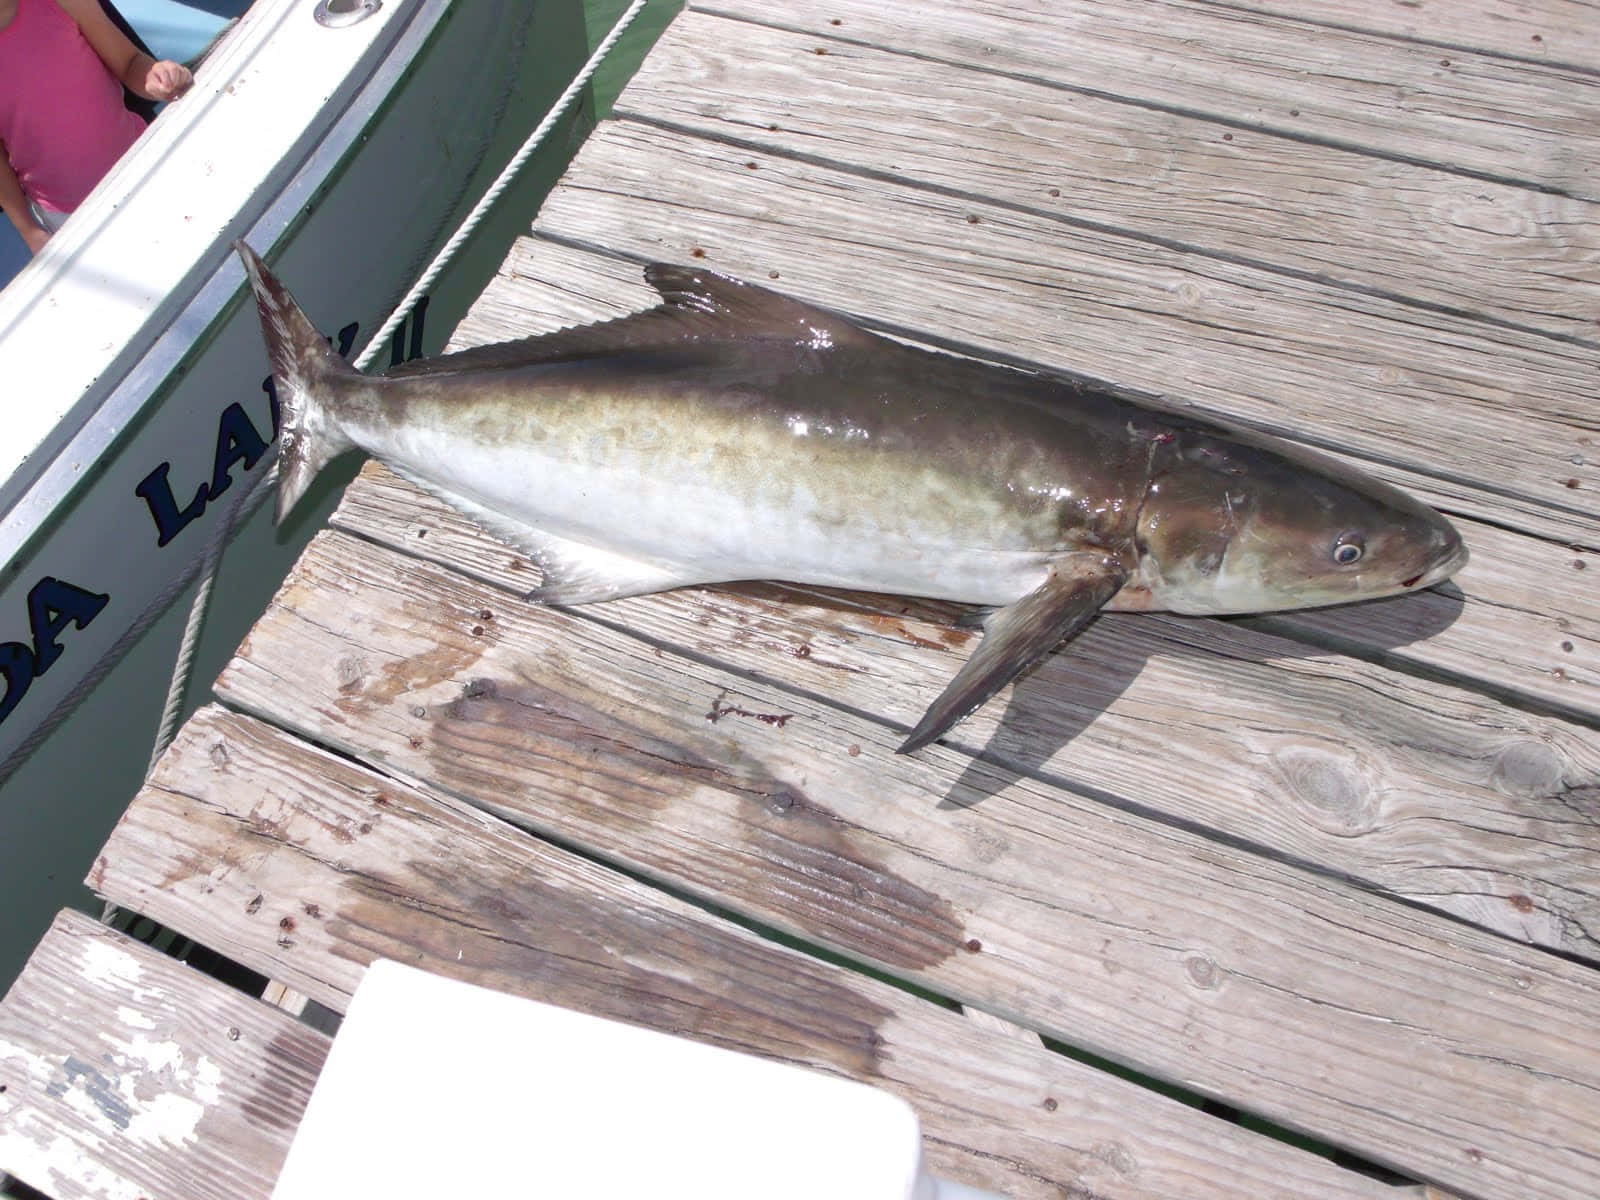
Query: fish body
x=733, y=433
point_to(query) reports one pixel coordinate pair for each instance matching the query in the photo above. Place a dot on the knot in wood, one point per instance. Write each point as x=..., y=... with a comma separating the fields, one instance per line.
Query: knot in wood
x=1528, y=767
x=1118, y=1157
x=1333, y=793
x=1202, y=971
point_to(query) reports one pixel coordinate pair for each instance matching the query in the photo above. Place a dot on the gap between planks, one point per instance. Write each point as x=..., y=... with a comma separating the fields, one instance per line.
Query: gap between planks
x=124, y=1073
x=1543, y=33
x=307, y=866
x=1482, y=117
x=1400, y=231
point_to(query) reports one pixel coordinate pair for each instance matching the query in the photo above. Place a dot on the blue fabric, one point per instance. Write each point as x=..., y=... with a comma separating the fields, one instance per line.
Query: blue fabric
x=179, y=30
x=13, y=252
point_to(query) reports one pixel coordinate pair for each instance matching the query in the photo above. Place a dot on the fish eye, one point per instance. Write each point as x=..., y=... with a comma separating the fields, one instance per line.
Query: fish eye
x=1348, y=549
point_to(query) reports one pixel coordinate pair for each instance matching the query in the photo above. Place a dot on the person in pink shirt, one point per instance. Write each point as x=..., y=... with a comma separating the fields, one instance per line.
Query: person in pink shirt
x=63, y=65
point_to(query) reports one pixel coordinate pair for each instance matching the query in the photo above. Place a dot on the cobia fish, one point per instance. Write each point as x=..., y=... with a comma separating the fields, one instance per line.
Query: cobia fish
x=733, y=433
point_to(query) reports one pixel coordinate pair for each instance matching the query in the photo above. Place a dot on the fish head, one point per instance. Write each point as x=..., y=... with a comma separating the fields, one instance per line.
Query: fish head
x=1239, y=522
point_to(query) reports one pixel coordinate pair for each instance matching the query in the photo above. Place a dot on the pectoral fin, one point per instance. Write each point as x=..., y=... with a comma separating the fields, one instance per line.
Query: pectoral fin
x=1020, y=634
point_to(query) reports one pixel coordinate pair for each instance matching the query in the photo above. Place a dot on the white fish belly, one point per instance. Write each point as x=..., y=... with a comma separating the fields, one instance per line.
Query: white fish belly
x=707, y=513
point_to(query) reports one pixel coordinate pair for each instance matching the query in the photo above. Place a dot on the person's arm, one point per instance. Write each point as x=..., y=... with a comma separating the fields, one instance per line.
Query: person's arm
x=16, y=207
x=133, y=67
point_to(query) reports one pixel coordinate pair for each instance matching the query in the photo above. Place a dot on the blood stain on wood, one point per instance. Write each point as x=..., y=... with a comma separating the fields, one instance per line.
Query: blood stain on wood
x=632, y=772
x=719, y=710
x=646, y=966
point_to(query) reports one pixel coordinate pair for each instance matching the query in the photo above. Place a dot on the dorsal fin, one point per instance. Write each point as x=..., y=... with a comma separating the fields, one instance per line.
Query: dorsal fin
x=698, y=307
x=738, y=307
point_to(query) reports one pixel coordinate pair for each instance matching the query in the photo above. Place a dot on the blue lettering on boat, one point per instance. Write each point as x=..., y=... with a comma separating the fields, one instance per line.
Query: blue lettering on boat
x=156, y=492
x=238, y=441
x=53, y=604
x=16, y=667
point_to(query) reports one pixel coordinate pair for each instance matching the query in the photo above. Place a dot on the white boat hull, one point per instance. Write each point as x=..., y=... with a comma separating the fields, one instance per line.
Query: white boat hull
x=144, y=367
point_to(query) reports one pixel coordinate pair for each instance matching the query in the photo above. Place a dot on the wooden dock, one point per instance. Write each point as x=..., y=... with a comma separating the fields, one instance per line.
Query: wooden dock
x=1295, y=906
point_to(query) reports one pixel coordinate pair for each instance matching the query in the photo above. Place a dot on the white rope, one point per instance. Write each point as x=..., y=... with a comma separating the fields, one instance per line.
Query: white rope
x=512, y=168
x=178, y=686
x=250, y=497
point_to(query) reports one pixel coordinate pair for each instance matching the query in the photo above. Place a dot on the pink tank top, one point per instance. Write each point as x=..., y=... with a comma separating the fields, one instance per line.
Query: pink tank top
x=61, y=114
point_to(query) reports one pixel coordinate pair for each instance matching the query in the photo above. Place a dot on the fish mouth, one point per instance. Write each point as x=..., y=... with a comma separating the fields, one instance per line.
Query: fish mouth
x=1442, y=570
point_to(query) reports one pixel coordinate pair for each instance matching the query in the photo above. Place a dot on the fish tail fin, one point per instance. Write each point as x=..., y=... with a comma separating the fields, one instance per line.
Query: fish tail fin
x=308, y=375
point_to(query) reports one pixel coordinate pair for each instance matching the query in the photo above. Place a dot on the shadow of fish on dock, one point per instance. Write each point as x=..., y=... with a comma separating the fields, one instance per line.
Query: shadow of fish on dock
x=1048, y=709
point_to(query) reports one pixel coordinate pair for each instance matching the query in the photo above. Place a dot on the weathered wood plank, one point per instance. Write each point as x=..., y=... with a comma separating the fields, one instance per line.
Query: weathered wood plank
x=1375, y=378
x=1543, y=31
x=1326, y=761
x=1529, y=628
x=124, y=1073
x=1398, y=228
x=1451, y=1054
x=308, y=867
x=1517, y=121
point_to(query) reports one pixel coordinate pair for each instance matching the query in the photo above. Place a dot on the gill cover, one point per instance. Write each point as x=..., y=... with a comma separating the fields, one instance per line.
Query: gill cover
x=1235, y=522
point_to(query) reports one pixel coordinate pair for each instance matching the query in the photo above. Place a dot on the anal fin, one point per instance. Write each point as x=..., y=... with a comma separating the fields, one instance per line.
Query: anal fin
x=575, y=573
x=1020, y=634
